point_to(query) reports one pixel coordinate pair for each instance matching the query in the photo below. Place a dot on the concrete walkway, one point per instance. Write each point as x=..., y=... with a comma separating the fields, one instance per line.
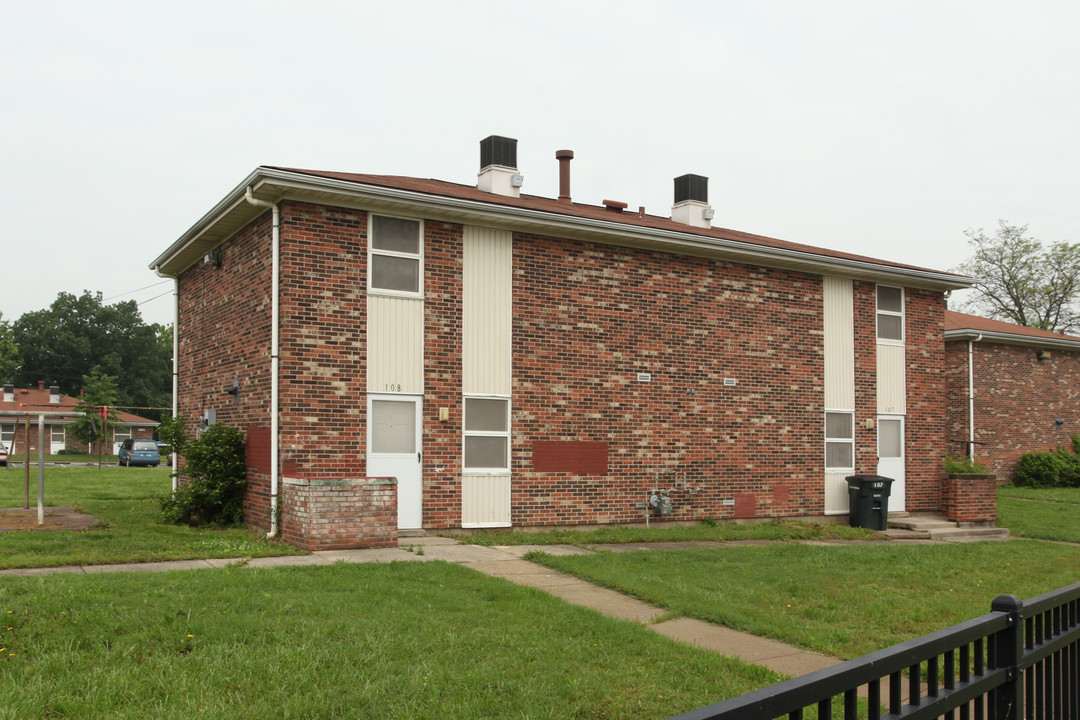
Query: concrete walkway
x=506, y=562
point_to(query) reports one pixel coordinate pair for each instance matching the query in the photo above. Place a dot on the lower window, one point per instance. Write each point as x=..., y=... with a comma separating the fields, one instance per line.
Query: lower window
x=487, y=434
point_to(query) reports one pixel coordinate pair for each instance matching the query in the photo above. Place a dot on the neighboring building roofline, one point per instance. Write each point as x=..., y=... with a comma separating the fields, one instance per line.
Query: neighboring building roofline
x=961, y=326
x=463, y=204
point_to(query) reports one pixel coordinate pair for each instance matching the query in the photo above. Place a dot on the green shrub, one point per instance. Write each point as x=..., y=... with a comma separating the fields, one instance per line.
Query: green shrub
x=964, y=465
x=1070, y=468
x=70, y=451
x=1039, y=469
x=216, y=474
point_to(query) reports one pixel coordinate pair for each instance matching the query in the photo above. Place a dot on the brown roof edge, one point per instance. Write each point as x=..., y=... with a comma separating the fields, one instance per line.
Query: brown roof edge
x=960, y=325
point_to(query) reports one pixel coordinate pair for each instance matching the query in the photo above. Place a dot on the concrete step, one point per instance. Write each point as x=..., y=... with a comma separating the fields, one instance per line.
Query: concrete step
x=936, y=527
x=967, y=534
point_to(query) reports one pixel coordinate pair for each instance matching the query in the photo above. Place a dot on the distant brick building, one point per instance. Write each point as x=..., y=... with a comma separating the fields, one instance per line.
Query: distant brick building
x=518, y=361
x=1025, y=384
x=43, y=399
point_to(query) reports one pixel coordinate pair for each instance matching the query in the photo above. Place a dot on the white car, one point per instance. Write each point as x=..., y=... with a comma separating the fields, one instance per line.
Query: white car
x=3, y=455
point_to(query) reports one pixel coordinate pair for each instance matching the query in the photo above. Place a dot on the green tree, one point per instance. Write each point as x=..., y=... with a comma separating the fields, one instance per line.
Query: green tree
x=9, y=352
x=1019, y=280
x=100, y=391
x=63, y=342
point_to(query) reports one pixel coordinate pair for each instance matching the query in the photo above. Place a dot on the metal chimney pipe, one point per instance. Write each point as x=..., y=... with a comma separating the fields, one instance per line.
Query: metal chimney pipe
x=564, y=157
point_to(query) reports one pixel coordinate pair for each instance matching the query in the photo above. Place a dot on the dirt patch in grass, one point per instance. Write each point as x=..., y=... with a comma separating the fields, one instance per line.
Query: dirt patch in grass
x=56, y=518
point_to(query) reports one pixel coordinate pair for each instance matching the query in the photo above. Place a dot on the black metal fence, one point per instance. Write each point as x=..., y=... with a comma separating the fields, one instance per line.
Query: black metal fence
x=1020, y=661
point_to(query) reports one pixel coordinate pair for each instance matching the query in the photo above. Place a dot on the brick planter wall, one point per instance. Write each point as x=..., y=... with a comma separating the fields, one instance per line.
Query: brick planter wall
x=339, y=513
x=969, y=498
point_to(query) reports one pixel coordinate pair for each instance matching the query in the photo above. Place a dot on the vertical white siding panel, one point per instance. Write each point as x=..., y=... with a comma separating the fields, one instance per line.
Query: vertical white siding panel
x=891, y=380
x=839, y=321
x=485, y=501
x=487, y=311
x=395, y=345
x=839, y=344
x=487, y=352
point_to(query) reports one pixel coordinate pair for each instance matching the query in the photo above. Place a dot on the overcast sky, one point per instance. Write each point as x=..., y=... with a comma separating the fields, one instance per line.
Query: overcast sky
x=884, y=129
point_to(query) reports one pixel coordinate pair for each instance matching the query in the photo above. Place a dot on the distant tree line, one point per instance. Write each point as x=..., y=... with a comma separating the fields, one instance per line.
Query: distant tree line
x=79, y=342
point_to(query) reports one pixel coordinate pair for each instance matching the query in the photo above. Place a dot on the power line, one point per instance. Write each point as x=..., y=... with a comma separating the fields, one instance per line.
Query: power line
x=132, y=292
x=155, y=297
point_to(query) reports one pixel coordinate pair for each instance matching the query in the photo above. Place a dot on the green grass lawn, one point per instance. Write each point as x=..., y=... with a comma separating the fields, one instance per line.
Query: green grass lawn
x=401, y=640
x=707, y=531
x=842, y=601
x=68, y=458
x=1044, y=513
x=124, y=500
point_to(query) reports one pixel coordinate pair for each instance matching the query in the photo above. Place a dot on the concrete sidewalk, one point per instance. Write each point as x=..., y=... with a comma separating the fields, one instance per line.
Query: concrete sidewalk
x=506, y=562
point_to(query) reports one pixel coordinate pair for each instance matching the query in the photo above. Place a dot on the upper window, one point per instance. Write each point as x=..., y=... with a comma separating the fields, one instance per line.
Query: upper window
x=487, y=434
x=839, y=441
x=890, y=313
x=395, y=258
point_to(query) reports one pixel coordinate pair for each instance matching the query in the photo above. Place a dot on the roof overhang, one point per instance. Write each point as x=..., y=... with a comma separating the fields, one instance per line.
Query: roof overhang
x=274, y=185
x=1034, y=341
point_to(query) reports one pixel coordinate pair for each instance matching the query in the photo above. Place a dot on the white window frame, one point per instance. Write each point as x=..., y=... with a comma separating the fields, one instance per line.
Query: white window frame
x=418, y=256
x=850, y=441
x=7, y=436
x=890, y=313
x=466, y=433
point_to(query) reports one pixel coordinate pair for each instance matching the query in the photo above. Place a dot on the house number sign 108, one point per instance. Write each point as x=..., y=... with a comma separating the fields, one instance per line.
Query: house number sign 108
x=392, y=388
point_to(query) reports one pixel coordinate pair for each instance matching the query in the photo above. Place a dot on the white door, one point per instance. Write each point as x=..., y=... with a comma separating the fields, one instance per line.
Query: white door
x=56, y=439
x=890, y=442
x=394, y=450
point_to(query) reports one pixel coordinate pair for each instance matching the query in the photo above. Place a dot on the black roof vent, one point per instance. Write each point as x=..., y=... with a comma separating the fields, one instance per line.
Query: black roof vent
x=691, y=187
x=497, y=150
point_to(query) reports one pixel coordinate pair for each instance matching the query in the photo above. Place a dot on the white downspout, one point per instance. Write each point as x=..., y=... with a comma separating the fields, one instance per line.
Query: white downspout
x=175, y=369
x=275, y=247
x=971, y=396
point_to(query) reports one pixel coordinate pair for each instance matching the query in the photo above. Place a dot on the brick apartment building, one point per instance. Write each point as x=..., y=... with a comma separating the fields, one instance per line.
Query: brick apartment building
x=520, y=361
x=49, y=399
x=1011, y=389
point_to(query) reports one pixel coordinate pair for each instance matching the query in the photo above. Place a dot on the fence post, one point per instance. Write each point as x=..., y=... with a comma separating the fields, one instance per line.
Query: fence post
x=1008, y=651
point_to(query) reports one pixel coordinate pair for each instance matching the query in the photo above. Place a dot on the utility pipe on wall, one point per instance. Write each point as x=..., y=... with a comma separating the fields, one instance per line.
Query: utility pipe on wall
x=971, y=396
x=275, y=245
x=175, y=370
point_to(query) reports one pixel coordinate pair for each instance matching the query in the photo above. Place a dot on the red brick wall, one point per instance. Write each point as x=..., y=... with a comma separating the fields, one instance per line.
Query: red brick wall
x=1017, y=398
x=339, y=513
x=323, y=386
x=224, y=335
x=956, y=397
x=588, y=318
x=925, y=421
x=969, y=499
x=443, y=243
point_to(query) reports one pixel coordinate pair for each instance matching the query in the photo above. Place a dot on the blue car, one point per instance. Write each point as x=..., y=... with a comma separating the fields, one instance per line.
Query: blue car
x=138, y=452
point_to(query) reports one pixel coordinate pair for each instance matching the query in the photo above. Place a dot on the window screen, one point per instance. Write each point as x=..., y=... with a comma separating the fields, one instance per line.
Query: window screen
x=395, y=256
x=393, y=426
x=890, y=313
x=890, y=443
x=839, y=440
x=487, y=433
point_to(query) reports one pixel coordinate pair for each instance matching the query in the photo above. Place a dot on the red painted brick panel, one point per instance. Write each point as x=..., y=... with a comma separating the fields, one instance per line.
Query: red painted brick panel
x=571, y=456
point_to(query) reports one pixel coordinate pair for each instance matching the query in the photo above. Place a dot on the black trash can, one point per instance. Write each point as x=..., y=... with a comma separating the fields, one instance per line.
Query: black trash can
x=868, y=497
